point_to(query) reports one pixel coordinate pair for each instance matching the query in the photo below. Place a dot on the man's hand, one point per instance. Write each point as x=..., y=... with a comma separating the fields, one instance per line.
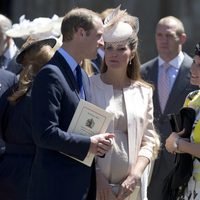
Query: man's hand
x=101, y=143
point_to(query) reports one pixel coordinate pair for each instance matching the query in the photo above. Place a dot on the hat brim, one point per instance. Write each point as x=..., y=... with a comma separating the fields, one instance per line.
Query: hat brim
x=50, y=41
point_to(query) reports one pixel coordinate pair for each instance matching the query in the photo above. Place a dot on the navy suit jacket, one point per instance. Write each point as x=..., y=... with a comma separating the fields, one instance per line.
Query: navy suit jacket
x=16, y=132
x=54, y=101
x=7, y=79
x=180, y=90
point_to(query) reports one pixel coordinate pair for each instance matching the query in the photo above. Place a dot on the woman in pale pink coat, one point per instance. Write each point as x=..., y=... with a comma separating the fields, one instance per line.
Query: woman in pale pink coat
x=119, y=89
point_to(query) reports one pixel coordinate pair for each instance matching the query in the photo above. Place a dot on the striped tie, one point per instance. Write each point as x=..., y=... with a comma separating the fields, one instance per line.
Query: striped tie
x=163, y=86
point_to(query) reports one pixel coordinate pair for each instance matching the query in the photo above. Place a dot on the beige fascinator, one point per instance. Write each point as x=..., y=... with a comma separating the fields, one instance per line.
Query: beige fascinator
x=119, y=26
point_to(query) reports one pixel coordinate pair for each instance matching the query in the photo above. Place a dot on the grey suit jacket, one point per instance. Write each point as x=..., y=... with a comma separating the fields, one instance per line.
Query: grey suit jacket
x=180, y=90
x=7, y=79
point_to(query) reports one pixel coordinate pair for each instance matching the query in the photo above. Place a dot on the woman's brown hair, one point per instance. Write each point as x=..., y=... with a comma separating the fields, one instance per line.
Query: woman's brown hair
x=32, y=61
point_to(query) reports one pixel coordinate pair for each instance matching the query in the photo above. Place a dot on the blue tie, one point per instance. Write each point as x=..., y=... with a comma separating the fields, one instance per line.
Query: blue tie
x=80, y=82
x=79, y=77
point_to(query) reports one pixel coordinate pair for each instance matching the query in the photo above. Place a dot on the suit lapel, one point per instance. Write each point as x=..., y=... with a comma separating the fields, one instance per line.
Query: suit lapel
x=132, y=111
x=181, y=82
x=179, y=85
x=61, y=63
x=154, y=77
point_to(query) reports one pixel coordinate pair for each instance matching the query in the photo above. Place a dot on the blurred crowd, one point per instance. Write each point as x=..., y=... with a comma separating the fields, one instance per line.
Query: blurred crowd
x=93, y=57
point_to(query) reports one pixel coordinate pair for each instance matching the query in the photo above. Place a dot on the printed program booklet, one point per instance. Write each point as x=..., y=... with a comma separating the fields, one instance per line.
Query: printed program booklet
x=89, y=120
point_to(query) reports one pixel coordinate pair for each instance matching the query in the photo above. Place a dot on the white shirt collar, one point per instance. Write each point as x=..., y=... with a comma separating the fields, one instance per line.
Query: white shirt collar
x=176, y=62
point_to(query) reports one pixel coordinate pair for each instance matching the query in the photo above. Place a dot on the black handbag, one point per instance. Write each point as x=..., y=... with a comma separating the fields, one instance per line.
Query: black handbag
x=177, y=180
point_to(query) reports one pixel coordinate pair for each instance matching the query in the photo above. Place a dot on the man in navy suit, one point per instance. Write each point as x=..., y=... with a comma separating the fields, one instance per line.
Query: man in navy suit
x=170, y=36
x=55, y=96
x=7, y=79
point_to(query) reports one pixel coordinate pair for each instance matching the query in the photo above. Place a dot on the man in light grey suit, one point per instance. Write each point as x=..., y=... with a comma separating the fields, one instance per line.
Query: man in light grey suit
x=8, y=49
x=7, y=79
x=170, y=36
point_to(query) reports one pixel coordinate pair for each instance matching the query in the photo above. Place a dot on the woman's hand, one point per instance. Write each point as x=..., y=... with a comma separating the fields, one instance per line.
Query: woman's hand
x=134, y=178
x=104, y=190
x=128, y=186
x=172, y=142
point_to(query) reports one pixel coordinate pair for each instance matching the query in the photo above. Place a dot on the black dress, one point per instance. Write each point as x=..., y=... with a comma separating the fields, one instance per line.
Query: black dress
x=16, y=162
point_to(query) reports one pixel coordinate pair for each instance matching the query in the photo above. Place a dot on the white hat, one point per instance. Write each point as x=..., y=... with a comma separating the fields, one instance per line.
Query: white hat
x=39, y=28
x=117, y=33
x=119, y=26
